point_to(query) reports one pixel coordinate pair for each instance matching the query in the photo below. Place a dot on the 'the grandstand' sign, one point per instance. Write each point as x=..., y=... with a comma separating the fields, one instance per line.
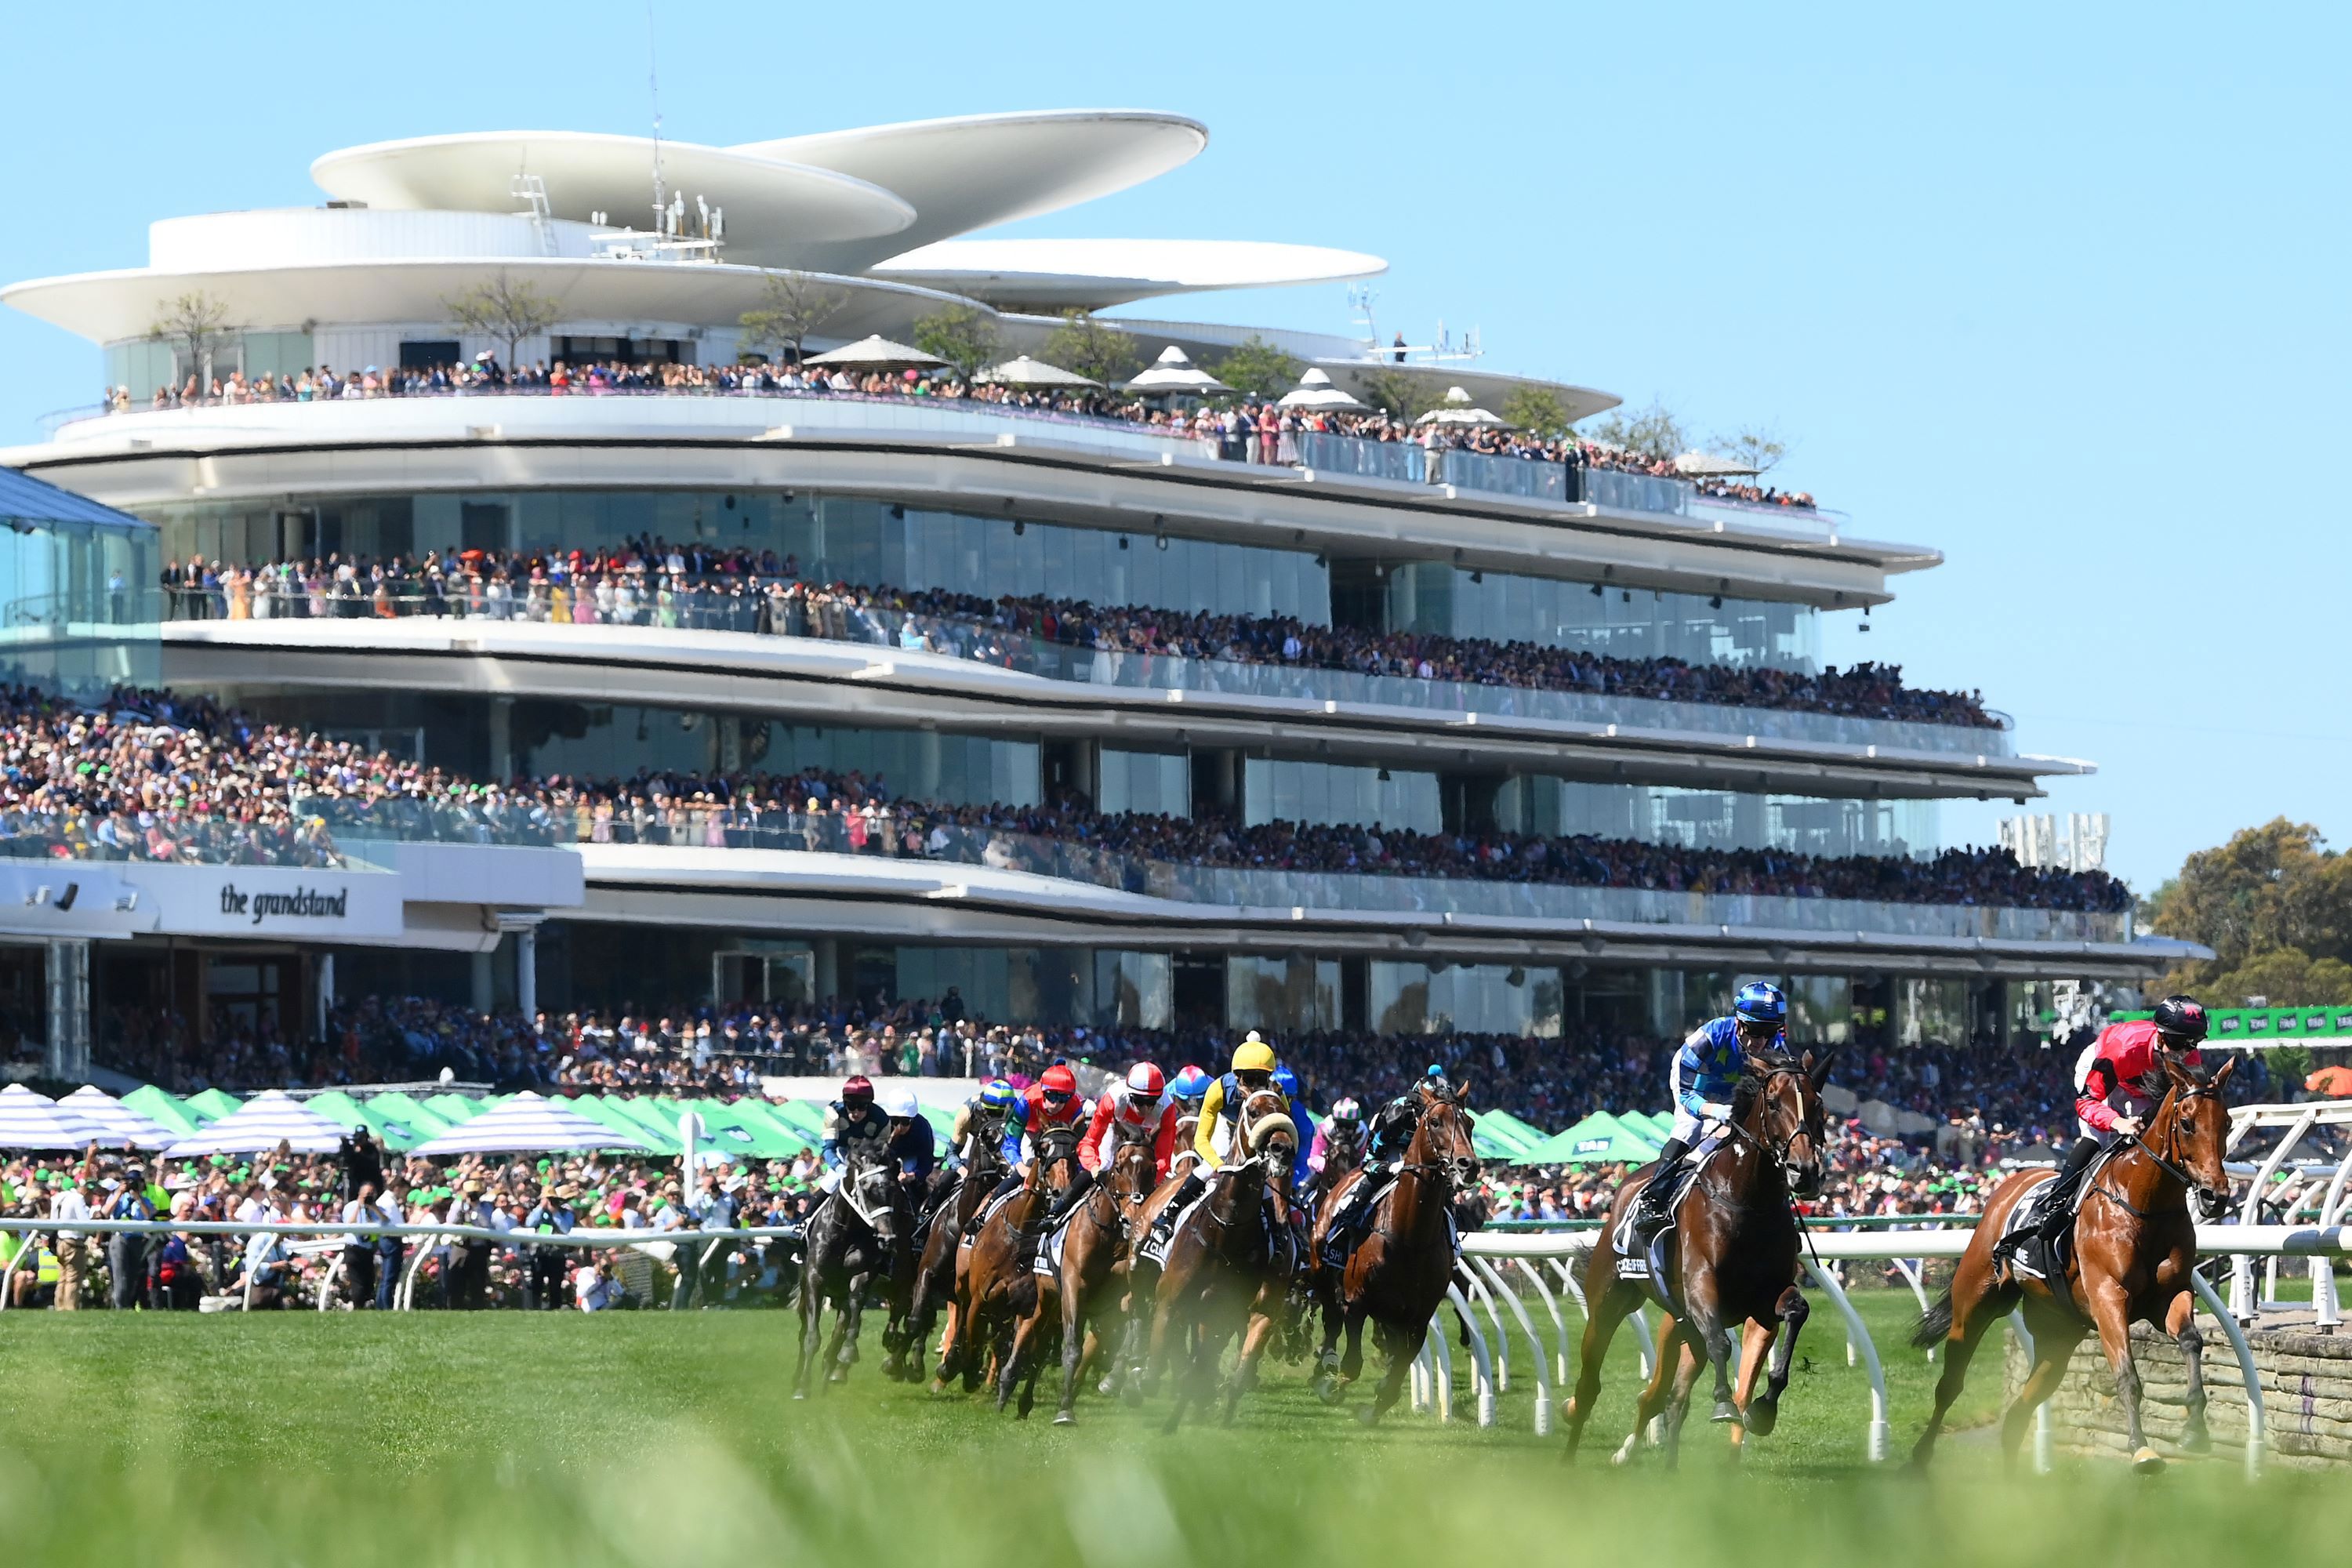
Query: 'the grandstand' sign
x=303, y=903
x=296, y=902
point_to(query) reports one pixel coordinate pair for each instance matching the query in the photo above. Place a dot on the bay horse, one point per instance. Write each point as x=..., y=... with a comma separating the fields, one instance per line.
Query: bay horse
x=1208, y=1288
x=1398, y=1274
x=860, y=1226
x=994, y=1285
x=935, y=1275
x=1732, y=1264
x=2135, y=1247
x=1086, y=1288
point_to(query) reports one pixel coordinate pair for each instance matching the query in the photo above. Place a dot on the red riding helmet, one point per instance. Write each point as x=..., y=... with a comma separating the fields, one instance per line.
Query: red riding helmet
x=1058, y=1079
x=1144, y=1080
x=858, y=1091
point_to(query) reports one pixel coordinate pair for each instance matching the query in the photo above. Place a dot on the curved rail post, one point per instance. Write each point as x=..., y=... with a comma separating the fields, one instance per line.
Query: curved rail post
x=1535, y=1342
x=1643, y=1340
x=326, y=1285
x=1558, y=1323
x=1501, y=1345
x=1909, y=1268
x=1881, y=1435
x=1424, y=1382
x=2044, y=1439
x=1440, y=1368
x=2257, y=1419
x=1482, y=1363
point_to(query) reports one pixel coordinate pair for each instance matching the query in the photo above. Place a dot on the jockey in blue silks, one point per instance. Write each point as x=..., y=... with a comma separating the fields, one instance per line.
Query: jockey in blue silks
x=1707, y=1071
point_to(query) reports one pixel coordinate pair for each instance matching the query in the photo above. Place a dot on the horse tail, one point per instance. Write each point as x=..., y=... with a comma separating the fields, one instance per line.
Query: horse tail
x=1935, y=1323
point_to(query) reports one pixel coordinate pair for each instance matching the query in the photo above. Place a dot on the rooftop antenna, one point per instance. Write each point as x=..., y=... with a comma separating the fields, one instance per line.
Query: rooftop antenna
x=1360, y=297
x=653, y=87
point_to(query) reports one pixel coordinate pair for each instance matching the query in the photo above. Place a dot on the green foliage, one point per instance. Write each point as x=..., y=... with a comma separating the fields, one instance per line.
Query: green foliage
x=196, y=326
x=1256, y=368
x=1654, y=432
x=505, y=310
x=963, y=335
x=792, y=306
x=1093, y=348
x=1537, y=410
x=1400, y=396
x=1760, y=447
x=2275, y=906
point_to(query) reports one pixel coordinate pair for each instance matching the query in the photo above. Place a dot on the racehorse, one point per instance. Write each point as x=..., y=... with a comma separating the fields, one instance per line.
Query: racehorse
x=1732, y=1260
x=1398, y=1274
x=2133, y=1248
x=994, y=1287
x=1086, y=1288
x=858, y=1229
x=935, y=1275
x=1208, y=1288
x=1274, y=1308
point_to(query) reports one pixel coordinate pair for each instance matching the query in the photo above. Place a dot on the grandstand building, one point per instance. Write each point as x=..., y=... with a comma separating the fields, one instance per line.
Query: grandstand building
x=646, y=258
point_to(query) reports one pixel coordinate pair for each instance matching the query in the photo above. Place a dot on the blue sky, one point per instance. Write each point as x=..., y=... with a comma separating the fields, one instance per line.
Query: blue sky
x=2058, y=290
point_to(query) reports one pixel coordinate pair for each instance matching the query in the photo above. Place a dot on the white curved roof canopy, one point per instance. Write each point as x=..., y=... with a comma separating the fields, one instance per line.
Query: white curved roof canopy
x=977, y=170
x=1091, y=274
x=774, y=208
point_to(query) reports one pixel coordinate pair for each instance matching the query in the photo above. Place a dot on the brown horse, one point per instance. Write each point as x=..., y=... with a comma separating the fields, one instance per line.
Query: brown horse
x=1732, y=1261
x=1398, y=1274
x=935, y=1276
x=1208, y=1288
x=1274, y=1308
x=993, y=1284
x=1086, y=1289
x=2135, y=1246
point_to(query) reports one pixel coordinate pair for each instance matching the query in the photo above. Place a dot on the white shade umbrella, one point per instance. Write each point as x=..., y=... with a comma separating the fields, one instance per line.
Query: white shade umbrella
x=1027, y=372
x=527, y=1123
x=29, y=1121
x=874, y=352
x=1457, y=409
x=1707, y=465
x=93, y=1104
x=1174, y=372
x=1315, y=391
x=261, y=1123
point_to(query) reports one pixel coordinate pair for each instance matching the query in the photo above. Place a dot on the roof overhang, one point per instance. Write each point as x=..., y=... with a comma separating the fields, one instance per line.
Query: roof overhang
x=1052, y=275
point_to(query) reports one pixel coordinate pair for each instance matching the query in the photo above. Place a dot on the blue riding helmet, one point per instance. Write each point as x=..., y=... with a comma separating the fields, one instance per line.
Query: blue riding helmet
x=1193, y=1083
x=1287, y=1081
x=1759, y=1002
x=997, y=1095
x=1435, y=1075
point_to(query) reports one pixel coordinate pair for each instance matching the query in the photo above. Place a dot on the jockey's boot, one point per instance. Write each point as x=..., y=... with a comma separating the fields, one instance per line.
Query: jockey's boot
x=1163, y=1224
x=1348, y=1223
x=2054, y=1208
x=1650, y=1207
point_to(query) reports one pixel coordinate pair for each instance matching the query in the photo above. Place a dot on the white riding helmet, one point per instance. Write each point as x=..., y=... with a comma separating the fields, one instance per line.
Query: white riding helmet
x=904, y=1107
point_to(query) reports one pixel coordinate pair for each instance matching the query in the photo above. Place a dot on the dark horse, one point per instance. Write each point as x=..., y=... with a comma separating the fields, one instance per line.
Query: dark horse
x=1398, y=1274
x=2135, y=1246
x=935, y=1274
x=855, y=1235
x=1217, y=1261
x=1731, y=1261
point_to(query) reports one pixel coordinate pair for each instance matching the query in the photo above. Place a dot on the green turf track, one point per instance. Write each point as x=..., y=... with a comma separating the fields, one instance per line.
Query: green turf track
x=640, y=1437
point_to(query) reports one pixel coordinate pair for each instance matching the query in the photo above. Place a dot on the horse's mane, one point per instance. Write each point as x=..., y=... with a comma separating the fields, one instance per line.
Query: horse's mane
x=1751, y=1082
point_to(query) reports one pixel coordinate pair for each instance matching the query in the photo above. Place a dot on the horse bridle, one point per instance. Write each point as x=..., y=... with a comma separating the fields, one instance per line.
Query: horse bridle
x=1440, y=1168
x=1778, y=1153
x=2180, y=1099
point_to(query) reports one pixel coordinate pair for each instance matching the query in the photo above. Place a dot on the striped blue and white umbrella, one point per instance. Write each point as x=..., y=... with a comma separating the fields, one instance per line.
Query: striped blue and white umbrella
x=29, y=1121
x=261, y=1123
x=92, y=1104
x=526, y=1124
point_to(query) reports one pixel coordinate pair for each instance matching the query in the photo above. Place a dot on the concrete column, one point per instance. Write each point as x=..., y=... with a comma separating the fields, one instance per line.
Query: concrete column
x=486, y=995
x=527, y=972
x=502, y=761
x=828, y=967
x=325, y=990
x=67, y=970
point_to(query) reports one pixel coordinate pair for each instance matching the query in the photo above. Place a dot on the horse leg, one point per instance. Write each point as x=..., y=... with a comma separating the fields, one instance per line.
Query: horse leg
x=2180, y=1323
x=1790, y=1310
x=1755, y=1339
x=1351, y=1364
x=811, y=1313
x=1656, y=1394
x=1976, y=1305
x=2054, y=1339
x=1702, y=1298
x=1076, y=1344
x=1024, y=1350
x=1254, y=1342
x=2112, y=1311
x=848, y=1320
x=1403, y=1348
x=1686, y=1371
x=1610, y=1307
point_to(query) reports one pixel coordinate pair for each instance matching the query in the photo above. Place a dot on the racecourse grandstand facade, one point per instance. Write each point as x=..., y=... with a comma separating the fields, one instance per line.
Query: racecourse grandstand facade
x=672, y=629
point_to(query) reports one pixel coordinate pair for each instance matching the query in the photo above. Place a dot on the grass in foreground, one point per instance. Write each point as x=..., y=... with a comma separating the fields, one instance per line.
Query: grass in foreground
x=640, y=1437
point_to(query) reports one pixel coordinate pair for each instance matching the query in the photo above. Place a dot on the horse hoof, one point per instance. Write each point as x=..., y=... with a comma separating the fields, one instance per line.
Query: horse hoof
x=2148, y=1461
x=1626, y=1450
x=1106, y=1387
x=1063, y=1419
x=800, y=1393
x=1763, y=1415
x=1725, y=1411
x=2197, y=1441
x=1131, y=1396
x=1370, y=1416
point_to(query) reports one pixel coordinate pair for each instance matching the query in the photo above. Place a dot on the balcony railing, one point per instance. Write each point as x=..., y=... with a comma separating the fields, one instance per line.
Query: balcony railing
x=712, y=607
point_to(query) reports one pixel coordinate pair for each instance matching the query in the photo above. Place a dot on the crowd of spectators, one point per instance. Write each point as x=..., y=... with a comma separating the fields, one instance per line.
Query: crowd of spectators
x=1236, y=427
x=657, y=582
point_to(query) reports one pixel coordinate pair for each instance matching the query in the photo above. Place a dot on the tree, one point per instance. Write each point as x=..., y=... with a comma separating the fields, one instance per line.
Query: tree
x=792, y=306
x=963, y=335
x=196, y=327
x=2275, y=906
x=2283, y=978
x=1092, y=347
x=1758, y=447
x=505, y=310
x=1256, y=368
x=1399, y=395
x=1654, y=432
x=1537, y=410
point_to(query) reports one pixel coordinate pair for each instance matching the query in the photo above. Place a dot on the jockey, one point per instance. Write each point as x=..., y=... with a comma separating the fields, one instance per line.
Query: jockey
x=1392, y=1133
x=1221, y=1109
x=1142, y=1101
x=980, y=1119
x=854, y=1125
x=911, y=1145
x=1054, y=1100
x=1296, y=1096
x=2117, y=1091
x=1341, y=1137
x=1188, y=1087
x=1707, y=1070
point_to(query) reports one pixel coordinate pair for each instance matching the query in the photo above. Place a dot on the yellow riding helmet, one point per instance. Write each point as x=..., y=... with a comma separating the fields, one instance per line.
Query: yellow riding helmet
x=1254, y=1055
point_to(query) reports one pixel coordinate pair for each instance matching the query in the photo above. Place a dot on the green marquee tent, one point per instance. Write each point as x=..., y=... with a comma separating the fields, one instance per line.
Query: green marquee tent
x=394, y=1131
x=1501, y=1127
x=1600, y=1139
x=167, y=1109
x=214, y=1103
